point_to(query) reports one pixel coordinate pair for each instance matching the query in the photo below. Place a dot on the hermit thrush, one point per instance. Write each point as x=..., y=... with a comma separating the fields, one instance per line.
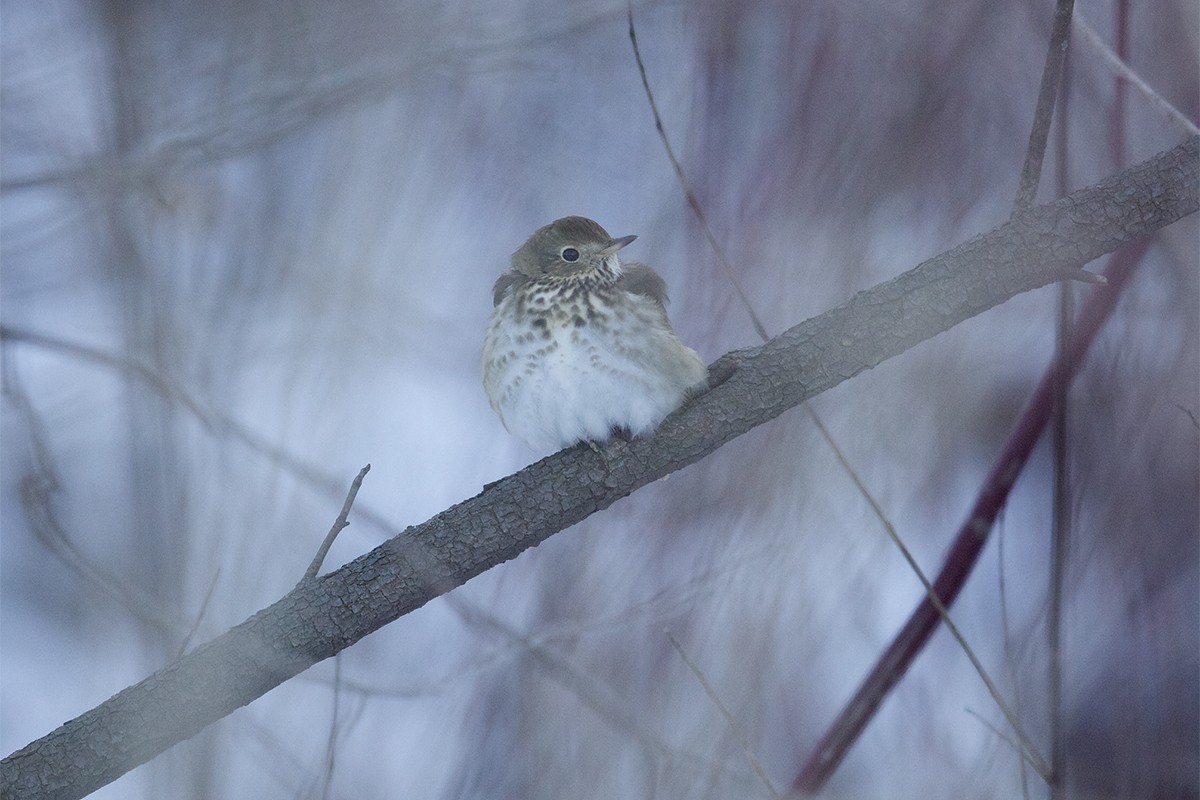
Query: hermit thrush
x=579, y=344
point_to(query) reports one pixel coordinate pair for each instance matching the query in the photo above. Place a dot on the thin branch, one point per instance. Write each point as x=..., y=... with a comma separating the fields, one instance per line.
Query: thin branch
x=343, y=519
x=969, y=542
x=1002, y=736
x=1123, y=72
x=759, y=328
x=1006, y=631
x=1116, y=129
x=187, y=640
x=1035, y=152
x=321, y=617
x=1028, y=747
x=729, y=720
x=1060, y=526
x=1190, y=415
x=331, y=743
x=1060, y=537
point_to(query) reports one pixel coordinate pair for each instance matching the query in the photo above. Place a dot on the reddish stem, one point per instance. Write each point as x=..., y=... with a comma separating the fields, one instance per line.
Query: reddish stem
x=1116, y=130
x=972, y=536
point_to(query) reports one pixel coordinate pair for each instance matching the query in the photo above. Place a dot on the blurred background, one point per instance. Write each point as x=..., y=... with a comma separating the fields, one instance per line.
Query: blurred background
x=248, y=248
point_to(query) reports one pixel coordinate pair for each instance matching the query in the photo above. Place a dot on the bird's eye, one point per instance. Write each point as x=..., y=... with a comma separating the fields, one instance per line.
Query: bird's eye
x=569, y=254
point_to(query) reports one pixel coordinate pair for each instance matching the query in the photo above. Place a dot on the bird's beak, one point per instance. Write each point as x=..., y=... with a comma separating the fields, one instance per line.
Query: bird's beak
x=616, y=244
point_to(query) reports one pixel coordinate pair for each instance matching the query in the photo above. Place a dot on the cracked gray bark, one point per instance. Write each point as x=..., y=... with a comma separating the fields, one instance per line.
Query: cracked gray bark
x=322, y=616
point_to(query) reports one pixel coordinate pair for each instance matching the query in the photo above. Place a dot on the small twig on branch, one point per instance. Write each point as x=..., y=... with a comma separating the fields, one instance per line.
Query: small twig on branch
x=1094, y=278
x=338, y=524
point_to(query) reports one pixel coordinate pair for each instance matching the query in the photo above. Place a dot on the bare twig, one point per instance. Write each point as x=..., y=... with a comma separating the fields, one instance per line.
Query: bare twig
x=1035, y=152
x=1093, y=278
x=759, y=328
x=331, y=743
x=1000, y=735
x=729, y=720
x=338, y=524
x=1009, y=660
x=1123, y=72
x=187, y=640
x=1190, y=415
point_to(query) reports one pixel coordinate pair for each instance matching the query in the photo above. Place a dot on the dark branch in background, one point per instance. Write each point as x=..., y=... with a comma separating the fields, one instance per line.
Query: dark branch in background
x=1116, y=130
x=321, y=617
x=1060, y=536
x=971, y=538
x=37, y=490
x=1035, y=152
x=1060, y=526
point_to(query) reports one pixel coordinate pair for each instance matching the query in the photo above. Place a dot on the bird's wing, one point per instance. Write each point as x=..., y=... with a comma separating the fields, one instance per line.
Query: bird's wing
x=508, y=282
x=640, y=279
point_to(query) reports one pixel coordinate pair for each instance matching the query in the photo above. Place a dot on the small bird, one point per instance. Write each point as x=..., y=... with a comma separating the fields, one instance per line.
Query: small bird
x=579, y=345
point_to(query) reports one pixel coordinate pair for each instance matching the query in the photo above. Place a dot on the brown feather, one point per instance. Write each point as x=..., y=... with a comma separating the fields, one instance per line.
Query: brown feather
x=509, y=281
x=640, y=279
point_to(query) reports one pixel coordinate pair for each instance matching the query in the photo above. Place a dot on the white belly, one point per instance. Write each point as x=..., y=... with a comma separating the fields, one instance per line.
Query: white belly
x=581, y=382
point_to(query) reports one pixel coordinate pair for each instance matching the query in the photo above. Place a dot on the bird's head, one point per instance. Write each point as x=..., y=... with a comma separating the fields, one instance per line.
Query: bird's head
x=569, y=246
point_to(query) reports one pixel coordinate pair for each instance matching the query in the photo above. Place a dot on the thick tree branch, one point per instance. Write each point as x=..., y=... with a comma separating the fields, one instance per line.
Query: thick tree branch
x=321, y=617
